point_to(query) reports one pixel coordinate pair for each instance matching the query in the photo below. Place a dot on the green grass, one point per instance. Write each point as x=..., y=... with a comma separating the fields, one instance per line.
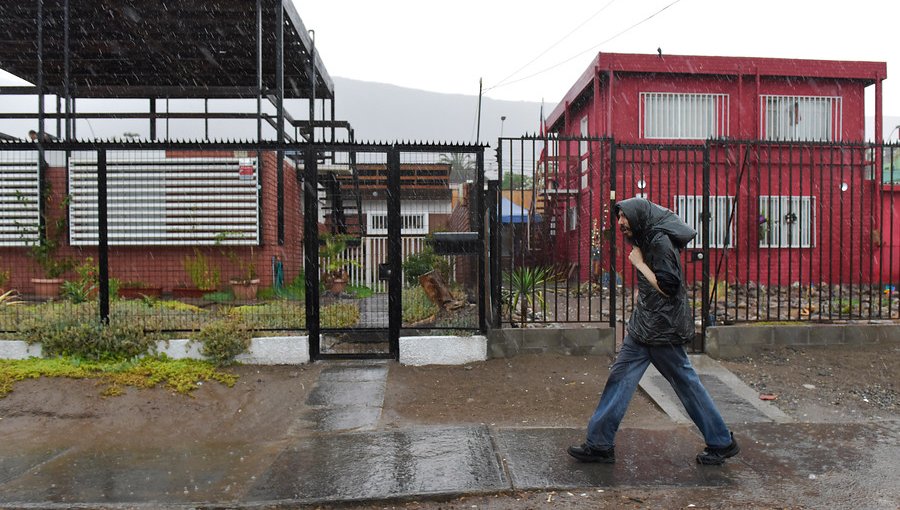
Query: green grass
x=416, y=305
x=339, y=315
x=180, y=376
x=359, y=291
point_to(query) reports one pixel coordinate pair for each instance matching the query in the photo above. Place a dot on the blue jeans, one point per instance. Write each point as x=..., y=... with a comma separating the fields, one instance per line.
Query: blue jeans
x=673, y=363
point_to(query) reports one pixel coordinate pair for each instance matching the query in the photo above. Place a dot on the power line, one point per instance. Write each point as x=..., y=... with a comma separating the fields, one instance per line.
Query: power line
x=583, y=23
x=592, y=48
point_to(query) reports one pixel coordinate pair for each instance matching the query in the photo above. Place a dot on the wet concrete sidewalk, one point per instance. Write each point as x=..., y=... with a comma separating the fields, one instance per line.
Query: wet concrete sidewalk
x=343, y=456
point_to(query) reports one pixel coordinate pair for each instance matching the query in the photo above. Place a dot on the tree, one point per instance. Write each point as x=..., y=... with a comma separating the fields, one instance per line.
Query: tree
x=462, y=168
x=516, y=181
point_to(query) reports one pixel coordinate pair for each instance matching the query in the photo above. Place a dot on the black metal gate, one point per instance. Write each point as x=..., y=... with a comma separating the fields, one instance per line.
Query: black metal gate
x=557, y=256
x=371, y=213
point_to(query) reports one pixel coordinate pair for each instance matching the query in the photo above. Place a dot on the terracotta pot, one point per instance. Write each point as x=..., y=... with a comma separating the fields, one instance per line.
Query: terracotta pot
x=188, y=292
x=245, y=290
x=139, y=292
x=337, y=285
x=47, y=288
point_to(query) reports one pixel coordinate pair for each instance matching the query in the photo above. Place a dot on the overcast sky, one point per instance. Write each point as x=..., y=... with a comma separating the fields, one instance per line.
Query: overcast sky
x=533, y=51
x=526, y=50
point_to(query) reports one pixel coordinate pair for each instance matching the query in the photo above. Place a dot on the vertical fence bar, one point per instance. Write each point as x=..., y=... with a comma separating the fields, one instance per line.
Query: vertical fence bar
x=311, y=247
x=705, y=306
x=831, y=232
x=395, y=258
x=279, y=104
x=66, y=66
x=103, y=236
x=876, y=174
x=40, y=73
x=479, y=226
x=815, y=240
x=861, y=179
x=494, y=246
x=891, y=242
x=612, y=238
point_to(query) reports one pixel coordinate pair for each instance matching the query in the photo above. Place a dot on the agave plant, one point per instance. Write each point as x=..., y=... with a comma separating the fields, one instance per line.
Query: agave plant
x=10, y=298
x=527, y=286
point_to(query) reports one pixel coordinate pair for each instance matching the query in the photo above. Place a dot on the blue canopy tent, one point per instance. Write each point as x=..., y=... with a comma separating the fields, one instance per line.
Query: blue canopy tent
x=511, y=212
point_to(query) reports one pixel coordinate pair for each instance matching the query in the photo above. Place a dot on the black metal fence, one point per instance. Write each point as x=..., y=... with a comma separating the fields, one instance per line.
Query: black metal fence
x=786, y=231
x=176, y=236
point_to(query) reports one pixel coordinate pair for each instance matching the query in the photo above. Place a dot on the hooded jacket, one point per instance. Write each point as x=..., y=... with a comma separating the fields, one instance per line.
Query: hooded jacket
x=661, y=235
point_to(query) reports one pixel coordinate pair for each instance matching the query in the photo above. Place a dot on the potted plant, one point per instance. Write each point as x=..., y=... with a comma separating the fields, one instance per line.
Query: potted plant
x=204, y=277
x=334, y=264
x=138, y=290
x=44, y=253
x=246, y=283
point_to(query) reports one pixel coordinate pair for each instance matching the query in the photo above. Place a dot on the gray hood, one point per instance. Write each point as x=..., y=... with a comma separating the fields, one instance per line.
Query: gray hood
x=648, y=219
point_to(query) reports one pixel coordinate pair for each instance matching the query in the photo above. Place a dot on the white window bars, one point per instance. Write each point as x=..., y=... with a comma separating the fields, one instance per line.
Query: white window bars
x=801, y=118
x=167, y=202
x=409, y=223
x=20, y=209
x=666, y=115
x=786, y=221
x=721, y=234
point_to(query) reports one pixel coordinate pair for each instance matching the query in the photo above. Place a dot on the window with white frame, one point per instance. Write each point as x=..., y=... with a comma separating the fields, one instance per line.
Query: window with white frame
x=584, y=152
x=20, y=210
x=409, y=223
x=721, y=232
x=683, y=116
x=167, y=201
x=806, y=118
x=787, y=221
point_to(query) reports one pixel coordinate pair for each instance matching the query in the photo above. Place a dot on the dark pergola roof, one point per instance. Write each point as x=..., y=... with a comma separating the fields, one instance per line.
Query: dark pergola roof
x=158, y=48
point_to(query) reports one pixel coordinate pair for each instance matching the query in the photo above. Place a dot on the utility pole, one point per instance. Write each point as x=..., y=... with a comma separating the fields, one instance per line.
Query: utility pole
x=478, y=126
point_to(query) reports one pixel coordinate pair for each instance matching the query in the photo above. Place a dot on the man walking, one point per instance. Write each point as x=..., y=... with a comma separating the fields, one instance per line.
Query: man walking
x=658, y=329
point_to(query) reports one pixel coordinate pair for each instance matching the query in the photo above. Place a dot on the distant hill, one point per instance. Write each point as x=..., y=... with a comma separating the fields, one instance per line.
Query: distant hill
x=377, y=112
x=380, y=112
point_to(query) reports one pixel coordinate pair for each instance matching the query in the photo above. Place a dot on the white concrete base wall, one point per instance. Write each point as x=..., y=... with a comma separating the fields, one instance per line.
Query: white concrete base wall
x=17, y=349
x=181, y=348
x=442, y=350
x=276, y=350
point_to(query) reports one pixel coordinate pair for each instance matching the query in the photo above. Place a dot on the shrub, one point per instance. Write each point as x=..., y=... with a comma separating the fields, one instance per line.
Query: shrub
x=223, y=339
x=202, y=275
x=423, y=262
x=88, y=339
x=281, y=314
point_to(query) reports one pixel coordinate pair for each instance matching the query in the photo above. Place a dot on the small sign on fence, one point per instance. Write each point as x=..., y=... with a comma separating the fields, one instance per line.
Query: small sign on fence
x=246, y=169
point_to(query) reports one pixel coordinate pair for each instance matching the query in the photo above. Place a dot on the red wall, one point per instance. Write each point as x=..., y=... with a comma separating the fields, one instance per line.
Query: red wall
x=164, y=266
x=845, y=221
x=743, y=103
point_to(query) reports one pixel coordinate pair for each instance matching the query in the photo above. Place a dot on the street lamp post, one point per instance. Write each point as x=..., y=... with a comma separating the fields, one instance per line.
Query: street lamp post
x=888, y=139
x=502, y=120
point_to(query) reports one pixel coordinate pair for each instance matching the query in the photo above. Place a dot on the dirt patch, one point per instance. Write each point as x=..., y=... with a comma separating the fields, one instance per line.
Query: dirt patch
x=840, y=383
x=545, y=390
x=264, y=403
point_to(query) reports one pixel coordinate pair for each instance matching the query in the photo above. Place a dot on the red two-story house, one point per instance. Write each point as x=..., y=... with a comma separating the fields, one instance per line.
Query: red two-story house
x=791, y=180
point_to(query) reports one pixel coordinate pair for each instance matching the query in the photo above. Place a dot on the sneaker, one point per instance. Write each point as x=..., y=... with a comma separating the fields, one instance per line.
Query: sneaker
x=587, y=453
x=716, y=456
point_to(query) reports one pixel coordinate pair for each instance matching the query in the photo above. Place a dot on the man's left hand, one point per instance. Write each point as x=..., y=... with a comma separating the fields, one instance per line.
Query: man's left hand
x=636, y=257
